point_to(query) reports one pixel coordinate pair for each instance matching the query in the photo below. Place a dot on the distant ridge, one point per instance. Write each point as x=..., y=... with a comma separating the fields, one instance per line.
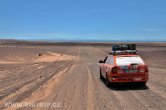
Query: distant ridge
x=84, y=41
x=15, y=42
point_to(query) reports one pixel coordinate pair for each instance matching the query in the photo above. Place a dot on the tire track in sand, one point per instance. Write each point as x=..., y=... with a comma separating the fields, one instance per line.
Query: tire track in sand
x=90, y=102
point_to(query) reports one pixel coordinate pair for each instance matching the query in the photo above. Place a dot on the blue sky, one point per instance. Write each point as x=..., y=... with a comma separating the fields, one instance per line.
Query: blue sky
x=83, y=20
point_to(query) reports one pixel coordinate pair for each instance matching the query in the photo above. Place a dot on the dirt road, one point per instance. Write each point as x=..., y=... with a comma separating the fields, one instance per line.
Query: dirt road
x=74, y=83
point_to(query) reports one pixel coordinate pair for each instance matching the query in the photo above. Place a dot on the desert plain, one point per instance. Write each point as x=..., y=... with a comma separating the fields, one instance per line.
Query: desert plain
x=68, y=74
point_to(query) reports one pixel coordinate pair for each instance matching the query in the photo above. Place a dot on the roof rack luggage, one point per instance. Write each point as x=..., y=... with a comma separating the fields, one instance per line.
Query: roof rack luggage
x=120, y=49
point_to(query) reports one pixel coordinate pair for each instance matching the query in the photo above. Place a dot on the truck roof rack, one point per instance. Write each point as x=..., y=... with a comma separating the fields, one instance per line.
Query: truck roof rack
x=123, y=49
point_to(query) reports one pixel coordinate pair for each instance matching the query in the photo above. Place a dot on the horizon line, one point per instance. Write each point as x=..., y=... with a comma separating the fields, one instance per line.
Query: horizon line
x=85, y=40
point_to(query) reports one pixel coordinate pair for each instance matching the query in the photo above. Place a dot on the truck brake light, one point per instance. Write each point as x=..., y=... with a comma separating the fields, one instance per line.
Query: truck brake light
x=115, y=70
x=146, y=68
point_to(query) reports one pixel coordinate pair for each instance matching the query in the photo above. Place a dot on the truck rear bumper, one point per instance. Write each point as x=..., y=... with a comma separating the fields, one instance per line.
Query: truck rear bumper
x=128, y=79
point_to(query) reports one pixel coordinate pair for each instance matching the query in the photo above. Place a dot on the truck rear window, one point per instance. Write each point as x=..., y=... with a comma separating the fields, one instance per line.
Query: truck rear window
x=129, y=60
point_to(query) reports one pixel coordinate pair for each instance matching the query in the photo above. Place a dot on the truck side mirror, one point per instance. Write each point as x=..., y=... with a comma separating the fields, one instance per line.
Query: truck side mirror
x=101, y=61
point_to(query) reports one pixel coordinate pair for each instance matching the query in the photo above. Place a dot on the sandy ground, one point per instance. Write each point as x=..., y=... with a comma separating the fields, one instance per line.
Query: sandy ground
x=68, y=77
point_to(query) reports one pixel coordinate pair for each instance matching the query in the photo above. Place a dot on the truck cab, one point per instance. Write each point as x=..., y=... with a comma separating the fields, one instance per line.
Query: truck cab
x=122, y=67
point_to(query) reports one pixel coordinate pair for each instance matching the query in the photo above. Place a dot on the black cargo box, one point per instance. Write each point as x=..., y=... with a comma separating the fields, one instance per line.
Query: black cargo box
x=122, y=47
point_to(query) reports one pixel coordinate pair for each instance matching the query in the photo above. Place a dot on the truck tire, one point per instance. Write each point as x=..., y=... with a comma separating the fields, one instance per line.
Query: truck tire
x=101, y=77
x=107, y=82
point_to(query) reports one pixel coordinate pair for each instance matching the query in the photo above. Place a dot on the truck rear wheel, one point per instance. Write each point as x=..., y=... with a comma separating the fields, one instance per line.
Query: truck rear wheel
x=101, y=77
x=107, y=82
x=142, y=83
